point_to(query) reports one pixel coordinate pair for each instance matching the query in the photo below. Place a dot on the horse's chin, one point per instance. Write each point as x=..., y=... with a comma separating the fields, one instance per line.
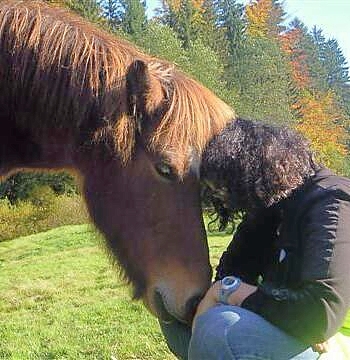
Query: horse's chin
x=162, y=312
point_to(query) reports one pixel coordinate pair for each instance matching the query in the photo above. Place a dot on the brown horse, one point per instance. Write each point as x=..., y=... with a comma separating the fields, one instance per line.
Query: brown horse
x=133, y=127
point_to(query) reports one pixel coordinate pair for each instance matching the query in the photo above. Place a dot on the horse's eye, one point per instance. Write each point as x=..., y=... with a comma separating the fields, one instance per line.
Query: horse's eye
x=165, y=170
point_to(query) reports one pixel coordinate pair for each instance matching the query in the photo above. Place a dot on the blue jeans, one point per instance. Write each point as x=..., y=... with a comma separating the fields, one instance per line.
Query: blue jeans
x=232, y=333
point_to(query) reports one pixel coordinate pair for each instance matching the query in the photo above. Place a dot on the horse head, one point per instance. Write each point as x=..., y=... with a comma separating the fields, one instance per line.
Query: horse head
x=146, y=201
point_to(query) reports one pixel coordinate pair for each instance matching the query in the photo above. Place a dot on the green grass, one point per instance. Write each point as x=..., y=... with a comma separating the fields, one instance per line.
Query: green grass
x=60, y=298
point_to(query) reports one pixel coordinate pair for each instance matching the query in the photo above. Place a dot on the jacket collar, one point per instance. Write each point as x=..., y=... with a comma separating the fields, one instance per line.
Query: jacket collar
x=293, y=199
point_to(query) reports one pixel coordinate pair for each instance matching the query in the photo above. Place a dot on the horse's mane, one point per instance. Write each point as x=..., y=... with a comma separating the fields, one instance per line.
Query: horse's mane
x=74, y=72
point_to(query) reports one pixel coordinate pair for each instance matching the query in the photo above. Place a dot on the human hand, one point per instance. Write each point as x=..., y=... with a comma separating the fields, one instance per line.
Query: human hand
x=211, y=298
x=238, y=296
x=321, y=347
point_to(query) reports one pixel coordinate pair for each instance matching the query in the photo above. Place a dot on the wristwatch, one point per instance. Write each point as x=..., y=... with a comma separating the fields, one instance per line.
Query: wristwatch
x=229, y=284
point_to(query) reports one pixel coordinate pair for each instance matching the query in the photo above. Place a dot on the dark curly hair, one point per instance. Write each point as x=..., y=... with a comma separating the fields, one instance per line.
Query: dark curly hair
x=250, y=166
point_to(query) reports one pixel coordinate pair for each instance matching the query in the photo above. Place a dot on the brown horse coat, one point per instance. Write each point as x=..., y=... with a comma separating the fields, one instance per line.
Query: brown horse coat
x=74, y=96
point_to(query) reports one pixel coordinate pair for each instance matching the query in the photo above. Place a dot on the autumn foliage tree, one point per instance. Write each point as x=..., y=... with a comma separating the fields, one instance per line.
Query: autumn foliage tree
x=265, y=18
x=321, y=122
x=291, y=45
x=316, y=66
x=320, y=118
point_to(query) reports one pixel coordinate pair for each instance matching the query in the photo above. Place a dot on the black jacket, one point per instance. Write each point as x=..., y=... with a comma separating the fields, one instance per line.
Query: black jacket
x=298, y=253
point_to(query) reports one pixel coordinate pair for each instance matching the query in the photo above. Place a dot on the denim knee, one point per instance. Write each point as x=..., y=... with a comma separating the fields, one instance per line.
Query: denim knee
x=208, y=336
x=230, y=333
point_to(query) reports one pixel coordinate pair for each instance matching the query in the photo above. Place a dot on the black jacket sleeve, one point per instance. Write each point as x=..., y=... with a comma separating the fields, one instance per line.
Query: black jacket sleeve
x=315, y=308
x=249, y=249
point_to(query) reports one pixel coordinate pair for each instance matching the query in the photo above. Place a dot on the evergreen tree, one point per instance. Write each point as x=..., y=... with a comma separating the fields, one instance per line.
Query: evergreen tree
x=113, y=10
x=337, y=73
x=127, y=17
x=185, y=23
x=162, y=41
x=199, y=60
x=335, y=68
x=229, y=18
x=185, y=17
x=89, y=9
x=264, y=82
x=208, y=31
x=259, y=66
x=230, y=29
x=276, y=19
x=134, y=19
x=318, y=72
x=335, y=64
x=305, y=54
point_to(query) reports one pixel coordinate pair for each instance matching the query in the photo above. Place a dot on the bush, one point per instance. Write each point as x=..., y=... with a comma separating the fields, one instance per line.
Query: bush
x=42, y=196
x=44, y=211
x=20, y=185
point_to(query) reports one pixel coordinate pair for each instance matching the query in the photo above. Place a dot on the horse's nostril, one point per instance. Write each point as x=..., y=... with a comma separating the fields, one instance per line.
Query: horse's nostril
x=191, y=306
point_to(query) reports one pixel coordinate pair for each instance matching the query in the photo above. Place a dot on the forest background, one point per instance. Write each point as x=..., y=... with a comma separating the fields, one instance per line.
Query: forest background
x=284, y=74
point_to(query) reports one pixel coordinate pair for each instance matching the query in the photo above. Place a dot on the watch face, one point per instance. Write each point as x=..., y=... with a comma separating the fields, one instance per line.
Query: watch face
x=229, y=284
x=228, y=281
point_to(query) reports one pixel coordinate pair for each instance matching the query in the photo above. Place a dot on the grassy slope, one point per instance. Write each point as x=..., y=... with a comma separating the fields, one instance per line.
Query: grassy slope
x=60, y=298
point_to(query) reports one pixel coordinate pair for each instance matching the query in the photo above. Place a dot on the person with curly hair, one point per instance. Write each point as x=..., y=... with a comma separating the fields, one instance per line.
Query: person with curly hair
x=283, y=285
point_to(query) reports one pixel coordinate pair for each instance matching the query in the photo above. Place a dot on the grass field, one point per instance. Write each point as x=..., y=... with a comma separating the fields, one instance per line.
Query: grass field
x=61, y=298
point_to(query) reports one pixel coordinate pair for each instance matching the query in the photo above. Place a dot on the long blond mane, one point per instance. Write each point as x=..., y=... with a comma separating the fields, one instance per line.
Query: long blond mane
x=78, y=70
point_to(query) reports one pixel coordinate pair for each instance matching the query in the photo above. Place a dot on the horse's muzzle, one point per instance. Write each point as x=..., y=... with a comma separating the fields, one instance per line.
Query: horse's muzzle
x=191, y=307
x=165, y=314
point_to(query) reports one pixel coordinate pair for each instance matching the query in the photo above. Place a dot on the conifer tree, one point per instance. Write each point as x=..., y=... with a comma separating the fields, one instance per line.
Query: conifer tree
x=229, y=19
x=262, y=71
x=335, y=68
x=128, y=17
x=89, y=9
x=264, y=82
x=276, y=19
x=185, y=17
x=304, y=54
x=337, y=72
x=113, y=10
x=134, y=19
x=334, y=62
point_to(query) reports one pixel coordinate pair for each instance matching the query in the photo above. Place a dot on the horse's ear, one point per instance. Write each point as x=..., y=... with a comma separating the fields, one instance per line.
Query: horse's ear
x=137, y=85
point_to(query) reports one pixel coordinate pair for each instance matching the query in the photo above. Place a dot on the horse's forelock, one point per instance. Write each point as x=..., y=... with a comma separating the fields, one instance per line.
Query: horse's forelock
x=193, y=116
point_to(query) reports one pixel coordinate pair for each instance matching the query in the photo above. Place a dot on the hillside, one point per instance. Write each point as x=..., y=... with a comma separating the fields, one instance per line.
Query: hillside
x=61, y=298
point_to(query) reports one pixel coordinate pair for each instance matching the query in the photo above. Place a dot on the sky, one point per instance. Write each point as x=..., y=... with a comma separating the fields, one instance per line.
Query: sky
x=332, y=16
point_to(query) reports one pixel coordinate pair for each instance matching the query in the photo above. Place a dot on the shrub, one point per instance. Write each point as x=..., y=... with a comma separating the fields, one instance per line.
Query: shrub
x=44, y=211
x=20, y=185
